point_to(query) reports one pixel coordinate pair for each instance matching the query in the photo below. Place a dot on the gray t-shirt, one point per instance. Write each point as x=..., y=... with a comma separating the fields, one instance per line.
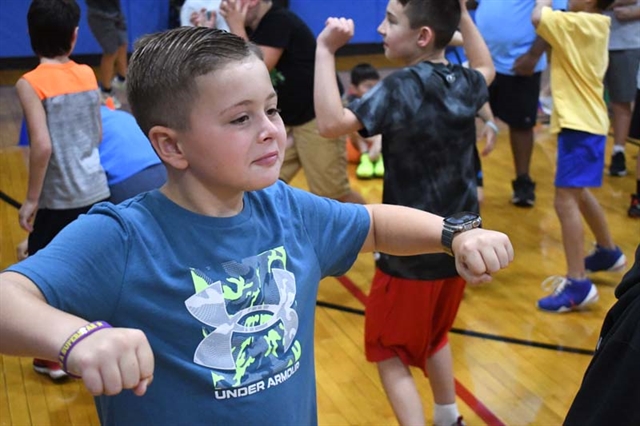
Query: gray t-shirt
x=624, y=34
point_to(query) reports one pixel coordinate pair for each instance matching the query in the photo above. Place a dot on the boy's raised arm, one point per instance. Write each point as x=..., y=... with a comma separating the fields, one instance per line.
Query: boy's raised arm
x=333, y=119
x=404, y=231
x=474, y=46
x=109, y=361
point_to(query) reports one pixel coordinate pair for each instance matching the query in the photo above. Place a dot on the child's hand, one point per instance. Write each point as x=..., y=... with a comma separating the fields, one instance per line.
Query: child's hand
x=490, y=136
x=113, y=359
x=336, y=33
x=480, y=252
x=27, y=214
x=375, y=146
x=525, y=64
x=22, y=249
x=235, y=13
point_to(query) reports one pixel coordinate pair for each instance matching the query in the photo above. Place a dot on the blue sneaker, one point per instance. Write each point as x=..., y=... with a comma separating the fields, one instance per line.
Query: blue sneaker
x=602, y=259
x=568, y=294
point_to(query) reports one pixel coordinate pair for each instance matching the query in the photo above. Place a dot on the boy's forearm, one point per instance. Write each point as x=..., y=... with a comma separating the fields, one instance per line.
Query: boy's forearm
x=326, y=95
x=538, y=47
x=485, y=113
x=38, y=163
x=475, y=48
x=28, y=325
x=403, y=231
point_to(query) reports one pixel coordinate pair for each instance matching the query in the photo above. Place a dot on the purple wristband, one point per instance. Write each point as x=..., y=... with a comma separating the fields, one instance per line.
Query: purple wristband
x=77, y=337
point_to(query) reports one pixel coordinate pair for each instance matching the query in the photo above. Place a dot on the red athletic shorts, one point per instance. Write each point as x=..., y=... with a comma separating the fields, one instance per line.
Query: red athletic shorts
x=409, y=319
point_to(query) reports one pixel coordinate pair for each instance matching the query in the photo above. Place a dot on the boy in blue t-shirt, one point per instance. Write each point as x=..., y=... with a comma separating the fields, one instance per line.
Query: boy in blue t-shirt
x=210, y=282
x=426, y=114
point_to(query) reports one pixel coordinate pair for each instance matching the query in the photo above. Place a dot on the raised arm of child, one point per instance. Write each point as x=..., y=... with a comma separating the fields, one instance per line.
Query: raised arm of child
x=110, y=360
x=332, y=117
x=404, y=231
x=39, y=152
x=474, y=46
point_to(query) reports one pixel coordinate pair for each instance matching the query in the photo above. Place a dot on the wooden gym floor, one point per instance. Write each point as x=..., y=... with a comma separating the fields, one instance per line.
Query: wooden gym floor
x=513, y=364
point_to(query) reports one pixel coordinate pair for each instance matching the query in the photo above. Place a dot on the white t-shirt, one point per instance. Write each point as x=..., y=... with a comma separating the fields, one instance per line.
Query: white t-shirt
x=191, y=6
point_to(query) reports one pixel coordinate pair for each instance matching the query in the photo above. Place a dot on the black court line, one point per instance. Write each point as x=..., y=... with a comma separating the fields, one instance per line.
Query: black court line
x=4, y=197
x=471, y=333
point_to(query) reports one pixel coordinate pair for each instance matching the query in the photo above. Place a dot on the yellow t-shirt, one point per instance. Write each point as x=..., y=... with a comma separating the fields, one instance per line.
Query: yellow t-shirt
x=579, y=61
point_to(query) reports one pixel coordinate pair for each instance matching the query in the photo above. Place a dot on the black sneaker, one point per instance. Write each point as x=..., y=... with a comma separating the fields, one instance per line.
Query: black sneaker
x=523, y=191
x=618, y=165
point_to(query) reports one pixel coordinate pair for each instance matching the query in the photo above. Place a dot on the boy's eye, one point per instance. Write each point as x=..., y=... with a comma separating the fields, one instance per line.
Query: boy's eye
x=273, y=111
x=240, y=120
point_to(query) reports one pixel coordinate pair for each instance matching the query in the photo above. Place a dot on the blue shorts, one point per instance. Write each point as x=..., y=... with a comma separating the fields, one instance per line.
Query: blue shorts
x=580, y=159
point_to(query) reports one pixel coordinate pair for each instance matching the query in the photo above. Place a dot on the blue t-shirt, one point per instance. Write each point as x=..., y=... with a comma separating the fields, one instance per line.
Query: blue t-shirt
x=124, y=150
x=429, y=137
x=506, y=27
x=227, y=304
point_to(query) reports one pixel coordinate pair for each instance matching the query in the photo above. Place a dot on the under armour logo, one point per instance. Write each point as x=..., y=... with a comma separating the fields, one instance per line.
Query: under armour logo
x=209, y=307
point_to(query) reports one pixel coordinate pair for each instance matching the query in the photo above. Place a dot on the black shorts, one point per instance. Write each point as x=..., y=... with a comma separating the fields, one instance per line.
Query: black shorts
x=514, y=99
x=634, y=129
x=49, y=223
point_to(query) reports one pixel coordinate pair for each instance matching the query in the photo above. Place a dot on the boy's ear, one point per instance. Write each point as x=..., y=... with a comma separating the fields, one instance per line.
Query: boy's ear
x=167, y=145
x=425, y=36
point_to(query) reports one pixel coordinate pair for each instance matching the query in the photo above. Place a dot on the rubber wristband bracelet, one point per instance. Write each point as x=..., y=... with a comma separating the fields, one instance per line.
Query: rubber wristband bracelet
x=75, y=338
x=493, y=126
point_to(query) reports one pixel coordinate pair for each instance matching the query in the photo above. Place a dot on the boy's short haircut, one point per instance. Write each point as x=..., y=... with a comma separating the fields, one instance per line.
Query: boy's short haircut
x=363, y=72
x=604, y=4
x=161, y=78
x=442, y=16
x=52, y=24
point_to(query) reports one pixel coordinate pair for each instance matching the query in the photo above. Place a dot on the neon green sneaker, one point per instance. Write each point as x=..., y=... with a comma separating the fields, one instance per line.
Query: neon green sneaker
x=365, y=168
x=378, y=168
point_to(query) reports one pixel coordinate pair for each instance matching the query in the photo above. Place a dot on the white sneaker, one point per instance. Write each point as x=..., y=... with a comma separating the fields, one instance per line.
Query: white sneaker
x=116, y=83
x=110, y=100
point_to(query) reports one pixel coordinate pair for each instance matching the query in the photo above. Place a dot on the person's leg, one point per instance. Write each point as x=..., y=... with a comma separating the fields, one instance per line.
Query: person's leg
x=580, y=161
x=521, y=147
x=325, y=164
x=107, y=70
x=594, y=216
x=291, y=163
x=106, y=33
x=440, y=370
x=365, y=165
x=634, y=207
x=401, y=391
x=566, y=204
x=514, y=100
x=621, y=83
x=121, y=61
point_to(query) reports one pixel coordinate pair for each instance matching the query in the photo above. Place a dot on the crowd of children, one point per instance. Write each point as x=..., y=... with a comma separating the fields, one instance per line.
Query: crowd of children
x=208, y=224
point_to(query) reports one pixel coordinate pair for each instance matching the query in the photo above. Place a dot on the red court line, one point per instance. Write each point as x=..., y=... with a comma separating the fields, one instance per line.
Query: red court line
x=478, y=407
x=353, y=289
x=469, y=398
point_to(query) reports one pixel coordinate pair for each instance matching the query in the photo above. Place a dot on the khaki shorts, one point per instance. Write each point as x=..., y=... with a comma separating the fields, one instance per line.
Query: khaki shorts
x=324, y=161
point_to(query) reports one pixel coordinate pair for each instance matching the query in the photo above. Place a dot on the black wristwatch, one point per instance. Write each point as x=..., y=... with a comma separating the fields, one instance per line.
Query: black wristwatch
x=455, y=224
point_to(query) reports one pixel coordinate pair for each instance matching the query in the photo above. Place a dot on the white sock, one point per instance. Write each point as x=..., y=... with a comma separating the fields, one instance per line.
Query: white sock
x=618, y=148
x=445, y=415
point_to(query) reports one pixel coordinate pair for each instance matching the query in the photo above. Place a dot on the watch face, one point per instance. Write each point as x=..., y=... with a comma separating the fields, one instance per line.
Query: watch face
x=461, y=218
